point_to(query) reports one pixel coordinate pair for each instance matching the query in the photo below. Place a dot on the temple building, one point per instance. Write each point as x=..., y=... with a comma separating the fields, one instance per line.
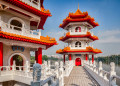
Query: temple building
x=78, y=37
x=21, y=22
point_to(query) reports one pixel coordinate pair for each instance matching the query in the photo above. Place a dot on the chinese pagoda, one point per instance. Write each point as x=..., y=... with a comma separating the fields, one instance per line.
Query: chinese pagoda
x=78, y=37
x=21, y=22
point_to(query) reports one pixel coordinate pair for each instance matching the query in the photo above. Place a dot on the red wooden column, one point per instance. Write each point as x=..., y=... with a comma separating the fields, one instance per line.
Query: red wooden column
x=11, y=61
x=86, y=57
x=64, y=58
x=92, y=58
x=38, y=56
x=1, y=54
x=70, y=58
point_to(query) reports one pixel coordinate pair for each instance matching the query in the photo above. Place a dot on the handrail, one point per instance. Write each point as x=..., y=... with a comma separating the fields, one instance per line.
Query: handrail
x=118, y=77
x=25, y=32
x=103, y=77
x=32, y=3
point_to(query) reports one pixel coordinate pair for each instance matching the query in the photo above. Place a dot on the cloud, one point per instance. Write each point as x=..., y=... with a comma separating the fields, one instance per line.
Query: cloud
x=56, y=35
x=111, y=36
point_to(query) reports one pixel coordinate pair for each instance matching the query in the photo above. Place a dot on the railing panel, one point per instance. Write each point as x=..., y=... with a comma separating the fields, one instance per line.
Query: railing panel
x=32, y=3
x=20, y=31
x=103, y=77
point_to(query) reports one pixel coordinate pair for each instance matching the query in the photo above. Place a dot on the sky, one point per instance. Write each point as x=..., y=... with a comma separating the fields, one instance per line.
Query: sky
x=105, y=12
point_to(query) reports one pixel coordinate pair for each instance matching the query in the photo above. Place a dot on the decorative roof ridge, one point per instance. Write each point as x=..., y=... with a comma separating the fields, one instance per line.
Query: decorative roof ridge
x=43, y=39
x=19, y=2
x=78, y=16
x=88, y=49
x=88, y=34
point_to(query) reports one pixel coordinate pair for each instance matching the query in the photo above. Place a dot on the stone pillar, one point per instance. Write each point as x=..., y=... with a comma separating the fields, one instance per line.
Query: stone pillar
x=92, y=58
x=86, y=57
x=38, y=56
x=1, y=54
x=112, y=73
x=70, y=58
x=64, y=58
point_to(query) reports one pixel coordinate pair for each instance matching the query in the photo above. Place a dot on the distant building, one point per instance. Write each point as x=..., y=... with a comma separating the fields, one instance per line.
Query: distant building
x=55, y=56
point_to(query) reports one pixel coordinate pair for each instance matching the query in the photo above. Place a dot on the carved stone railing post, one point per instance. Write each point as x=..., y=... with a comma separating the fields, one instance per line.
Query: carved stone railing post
x=57, y=67
x=100, y=68
x=61, y=77
x=112, y=72
x=49, y=65
x=94, y=66
x=14, y=66
x=45, y=68
x=27, y=68
x=36, y=75
x=35, y=62
x=105, y=76
x=91, y=65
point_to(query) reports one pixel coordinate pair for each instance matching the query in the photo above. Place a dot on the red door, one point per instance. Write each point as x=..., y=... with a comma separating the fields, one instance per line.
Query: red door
x=78, y=62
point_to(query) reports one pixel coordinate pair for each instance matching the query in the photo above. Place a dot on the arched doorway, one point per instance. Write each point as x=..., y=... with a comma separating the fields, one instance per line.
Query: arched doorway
x=78, y=62
x=18, y=59
x=10, y=60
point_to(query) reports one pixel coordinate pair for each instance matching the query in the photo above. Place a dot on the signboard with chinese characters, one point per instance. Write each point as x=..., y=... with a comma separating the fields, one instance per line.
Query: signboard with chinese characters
x=77, y=54
x=18, y=48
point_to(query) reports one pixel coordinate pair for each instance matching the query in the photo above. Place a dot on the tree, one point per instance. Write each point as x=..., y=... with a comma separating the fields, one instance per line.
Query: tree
x=32, y=59
x=44, y=57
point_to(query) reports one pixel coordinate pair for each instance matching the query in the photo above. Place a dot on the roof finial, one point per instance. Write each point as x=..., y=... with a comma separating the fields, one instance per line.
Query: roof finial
x=78, y=5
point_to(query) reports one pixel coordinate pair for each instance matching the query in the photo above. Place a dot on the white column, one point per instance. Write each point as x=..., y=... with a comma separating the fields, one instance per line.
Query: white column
x=57, y=69
x=14, y=66
x=100, y=68
x=112, y=72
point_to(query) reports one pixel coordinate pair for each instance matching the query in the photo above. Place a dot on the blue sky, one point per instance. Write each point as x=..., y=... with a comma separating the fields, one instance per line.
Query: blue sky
x=105, y=12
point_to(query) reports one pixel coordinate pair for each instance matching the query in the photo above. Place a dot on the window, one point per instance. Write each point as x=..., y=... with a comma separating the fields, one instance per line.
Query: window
x=35, y=1
x=78, y=44
x=78, y=29
x=16, y=25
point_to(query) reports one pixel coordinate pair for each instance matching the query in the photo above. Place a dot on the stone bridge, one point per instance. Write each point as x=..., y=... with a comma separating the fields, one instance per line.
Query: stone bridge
x=65, y=75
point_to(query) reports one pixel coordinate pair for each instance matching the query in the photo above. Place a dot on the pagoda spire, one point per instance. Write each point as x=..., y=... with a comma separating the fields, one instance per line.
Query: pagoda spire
x=78, y=5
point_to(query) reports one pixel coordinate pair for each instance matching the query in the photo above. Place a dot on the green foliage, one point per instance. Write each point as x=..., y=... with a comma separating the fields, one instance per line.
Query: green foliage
x=108, y=59
x=19, y=58
x=44, y=57
x=52, y=58
x=32, y=59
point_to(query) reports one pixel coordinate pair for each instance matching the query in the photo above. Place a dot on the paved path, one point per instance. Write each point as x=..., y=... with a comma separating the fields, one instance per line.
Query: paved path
x=79, y=77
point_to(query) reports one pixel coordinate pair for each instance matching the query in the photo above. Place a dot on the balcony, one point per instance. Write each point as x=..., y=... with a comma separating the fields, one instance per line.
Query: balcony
x=5, y=27
x=33, y=3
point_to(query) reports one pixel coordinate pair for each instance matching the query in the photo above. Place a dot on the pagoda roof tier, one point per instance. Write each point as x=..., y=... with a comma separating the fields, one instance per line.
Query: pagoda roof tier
x=42, y=13
x=87, y=35
x=88, y=49
x=78, y=16
x=48, y=41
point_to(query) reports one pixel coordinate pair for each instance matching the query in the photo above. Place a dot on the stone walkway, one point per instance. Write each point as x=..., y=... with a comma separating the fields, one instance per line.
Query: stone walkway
x=79, y=77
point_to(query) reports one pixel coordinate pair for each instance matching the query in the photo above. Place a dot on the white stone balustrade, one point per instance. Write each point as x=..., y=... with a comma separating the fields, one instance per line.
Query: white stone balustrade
x=24, y=73
x=103, y=77
x=58, y=71
x=68, y=67
x=33, y=3
x=22, y=31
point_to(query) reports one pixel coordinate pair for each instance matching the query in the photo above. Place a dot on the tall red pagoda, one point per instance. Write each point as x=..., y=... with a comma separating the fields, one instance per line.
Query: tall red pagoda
x=78, y=37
